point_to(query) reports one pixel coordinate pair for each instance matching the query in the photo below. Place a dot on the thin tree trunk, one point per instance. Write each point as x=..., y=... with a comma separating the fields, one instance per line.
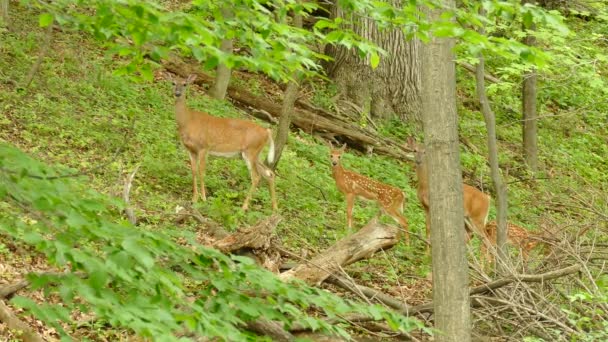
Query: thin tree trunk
x=499, y=186
x=289, y=99
x=44, y=49
x=222, y=72
x=529, y=125
x=4, y=12
x=450, y=267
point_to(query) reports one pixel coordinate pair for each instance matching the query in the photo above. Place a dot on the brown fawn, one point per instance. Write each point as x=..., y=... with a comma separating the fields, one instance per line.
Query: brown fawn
x=516, y=236
x=204, y=134
x=476, y=203
x=353, y=185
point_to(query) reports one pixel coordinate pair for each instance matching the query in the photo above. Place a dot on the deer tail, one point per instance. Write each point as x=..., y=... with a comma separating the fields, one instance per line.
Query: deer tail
x=270, y=157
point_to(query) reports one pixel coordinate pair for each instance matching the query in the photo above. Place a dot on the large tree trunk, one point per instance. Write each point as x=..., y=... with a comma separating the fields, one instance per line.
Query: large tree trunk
x=393, y=88
x=222, y=72
x=530, y=146
x=450, y=266
x=289, y=99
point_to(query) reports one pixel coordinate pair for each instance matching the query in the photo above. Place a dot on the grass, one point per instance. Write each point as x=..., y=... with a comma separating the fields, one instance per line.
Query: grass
x=78, y=114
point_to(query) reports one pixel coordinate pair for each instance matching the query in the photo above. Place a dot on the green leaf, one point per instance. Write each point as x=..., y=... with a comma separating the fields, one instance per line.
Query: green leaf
x=374, y=60
x=45, y=19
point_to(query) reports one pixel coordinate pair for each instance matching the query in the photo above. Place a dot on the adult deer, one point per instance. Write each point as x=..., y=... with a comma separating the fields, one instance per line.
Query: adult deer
x=204, y=134
x=353, y=185
x=476, y=203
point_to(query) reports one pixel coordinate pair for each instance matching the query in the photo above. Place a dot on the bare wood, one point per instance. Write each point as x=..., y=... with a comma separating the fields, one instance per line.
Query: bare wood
x=270, y=328
x=389, y=198
x=471, y=69
x=125, y=195
x=496, y=284
x=8, y=291
x=362, y=244
x=255, y=237
x=204, y=134
x=14, y=323
x=370, y=293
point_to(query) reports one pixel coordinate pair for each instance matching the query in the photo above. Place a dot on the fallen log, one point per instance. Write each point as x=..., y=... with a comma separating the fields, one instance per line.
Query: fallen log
x=306, y=117
x=255, y=242
x=369, y=239
x=14, y=323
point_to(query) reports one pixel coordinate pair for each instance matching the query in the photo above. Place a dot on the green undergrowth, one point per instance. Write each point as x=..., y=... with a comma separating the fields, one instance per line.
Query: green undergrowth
x=79, y=116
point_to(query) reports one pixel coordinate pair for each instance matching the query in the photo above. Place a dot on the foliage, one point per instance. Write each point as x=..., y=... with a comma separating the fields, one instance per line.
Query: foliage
x=139, y=279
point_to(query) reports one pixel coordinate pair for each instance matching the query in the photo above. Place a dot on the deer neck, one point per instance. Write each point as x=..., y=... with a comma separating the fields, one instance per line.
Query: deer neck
x=337, y=171
x=182, y=113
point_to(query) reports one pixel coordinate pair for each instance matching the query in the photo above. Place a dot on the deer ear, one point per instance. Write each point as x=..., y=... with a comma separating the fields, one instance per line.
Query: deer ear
x=331, y=146
x=343, y=148
x=191, y=78
x=168, y=76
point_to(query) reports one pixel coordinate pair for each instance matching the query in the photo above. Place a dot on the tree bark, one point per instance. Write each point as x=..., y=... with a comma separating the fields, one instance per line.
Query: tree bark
x=529, y=125
x=222, y=72
x=450, y=266
x=369, y=239
x=499, y=185
x=393, y=88
x=289, y=99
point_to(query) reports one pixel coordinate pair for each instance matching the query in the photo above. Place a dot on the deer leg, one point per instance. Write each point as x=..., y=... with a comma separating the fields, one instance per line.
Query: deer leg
x=427, y=221
x=202, y=156
x=350, y=202
x=255, y=178
x=269, y=176
x=193, y=165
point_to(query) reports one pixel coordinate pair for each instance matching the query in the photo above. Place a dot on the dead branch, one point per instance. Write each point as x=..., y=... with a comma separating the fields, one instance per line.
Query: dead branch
x=529, y=278
x=14, y=323
x=270, y=328
x=125, y=195
x=257, y=237
x=362, y=244
x=370, y=293
x=7, y=291
x=470, y=68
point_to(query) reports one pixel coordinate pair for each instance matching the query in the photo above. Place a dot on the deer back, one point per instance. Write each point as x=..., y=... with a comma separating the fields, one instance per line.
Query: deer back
x=350, y=182
x=222, y=135
x=476, y=203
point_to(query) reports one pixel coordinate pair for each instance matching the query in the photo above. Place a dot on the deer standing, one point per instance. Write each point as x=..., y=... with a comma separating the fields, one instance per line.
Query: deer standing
x=476, y=203
x=354, y=185
x=204, y=134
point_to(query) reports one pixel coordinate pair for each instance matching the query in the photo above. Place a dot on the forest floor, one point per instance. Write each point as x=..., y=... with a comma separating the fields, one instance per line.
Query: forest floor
x=79, y=115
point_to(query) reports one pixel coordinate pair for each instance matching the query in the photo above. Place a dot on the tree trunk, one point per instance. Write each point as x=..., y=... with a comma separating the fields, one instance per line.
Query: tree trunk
x=530, y=118
x=450, y=266
x=222, y=72
x=4, y=12
x=499, y=186
x=393, y=88
x=289, y=99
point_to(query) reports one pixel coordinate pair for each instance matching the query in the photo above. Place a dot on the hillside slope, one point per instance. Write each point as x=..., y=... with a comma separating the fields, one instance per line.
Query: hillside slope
x=81, y=117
